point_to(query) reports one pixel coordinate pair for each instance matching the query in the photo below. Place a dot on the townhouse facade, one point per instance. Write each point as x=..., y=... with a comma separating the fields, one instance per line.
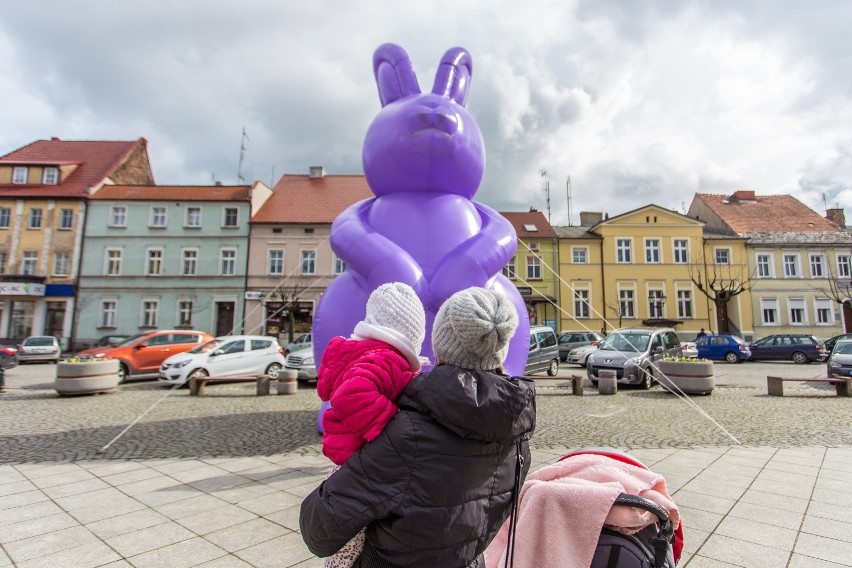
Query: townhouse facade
x=165, y=257
x=800, y=263
x=44, y=189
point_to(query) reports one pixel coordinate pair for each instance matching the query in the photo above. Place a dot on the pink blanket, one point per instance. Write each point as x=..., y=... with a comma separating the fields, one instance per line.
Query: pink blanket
x=563, y=507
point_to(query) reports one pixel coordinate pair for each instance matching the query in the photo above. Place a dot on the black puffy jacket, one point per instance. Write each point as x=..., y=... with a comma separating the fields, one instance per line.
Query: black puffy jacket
x=436, y=485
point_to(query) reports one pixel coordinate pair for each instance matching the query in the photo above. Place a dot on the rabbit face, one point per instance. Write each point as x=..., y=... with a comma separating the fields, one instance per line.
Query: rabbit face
x=424, y=143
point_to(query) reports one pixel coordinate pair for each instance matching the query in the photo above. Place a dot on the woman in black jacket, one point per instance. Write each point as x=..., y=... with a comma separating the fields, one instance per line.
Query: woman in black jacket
x=434, y=488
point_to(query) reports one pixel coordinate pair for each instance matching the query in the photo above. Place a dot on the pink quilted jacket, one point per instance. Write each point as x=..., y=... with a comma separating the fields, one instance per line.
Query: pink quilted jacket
x=362, y=379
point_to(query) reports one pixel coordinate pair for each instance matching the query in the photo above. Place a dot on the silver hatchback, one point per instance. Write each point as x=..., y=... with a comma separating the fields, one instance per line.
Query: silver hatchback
x=39, y=348
x=632, y=354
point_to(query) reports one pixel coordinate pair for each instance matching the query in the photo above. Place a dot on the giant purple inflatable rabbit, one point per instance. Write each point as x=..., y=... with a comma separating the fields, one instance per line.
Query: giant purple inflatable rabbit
x=424, y=158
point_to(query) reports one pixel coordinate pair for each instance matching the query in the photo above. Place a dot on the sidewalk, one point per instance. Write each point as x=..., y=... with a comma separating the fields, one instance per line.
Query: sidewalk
x=750, y=507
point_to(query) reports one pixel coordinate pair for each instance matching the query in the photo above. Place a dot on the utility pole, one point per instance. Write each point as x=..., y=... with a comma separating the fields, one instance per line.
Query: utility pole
x=569, y=201
x=546, y=191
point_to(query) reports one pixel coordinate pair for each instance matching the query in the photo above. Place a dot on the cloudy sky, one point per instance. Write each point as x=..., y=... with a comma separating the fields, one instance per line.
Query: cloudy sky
x=638, y=102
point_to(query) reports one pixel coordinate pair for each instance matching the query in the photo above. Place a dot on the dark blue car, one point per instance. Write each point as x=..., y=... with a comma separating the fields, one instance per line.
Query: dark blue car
x=722, y=347
x=798, y=347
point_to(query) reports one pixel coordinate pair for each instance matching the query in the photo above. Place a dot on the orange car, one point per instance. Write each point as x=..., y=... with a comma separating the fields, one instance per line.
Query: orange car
x=142, y=355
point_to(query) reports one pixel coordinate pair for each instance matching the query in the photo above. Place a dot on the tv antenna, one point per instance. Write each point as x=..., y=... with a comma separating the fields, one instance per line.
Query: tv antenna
x=243, y=140
x=568, y=184
x=546, y=191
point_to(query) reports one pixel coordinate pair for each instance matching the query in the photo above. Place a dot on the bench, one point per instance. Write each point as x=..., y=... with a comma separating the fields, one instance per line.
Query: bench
x=196, y=384
x=576, y=382
x=775, y=385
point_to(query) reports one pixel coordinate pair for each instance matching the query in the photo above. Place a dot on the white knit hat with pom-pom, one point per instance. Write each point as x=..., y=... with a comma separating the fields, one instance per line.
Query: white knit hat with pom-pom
x=396, y=306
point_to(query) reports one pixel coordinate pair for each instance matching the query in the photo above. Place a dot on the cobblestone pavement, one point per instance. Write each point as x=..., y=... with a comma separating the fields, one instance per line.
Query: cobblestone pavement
x=38, y=425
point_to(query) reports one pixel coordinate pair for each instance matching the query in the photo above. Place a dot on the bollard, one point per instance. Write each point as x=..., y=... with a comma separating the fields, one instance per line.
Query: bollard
x=607, y=381
x=287, y=383
x=263, y=385
x=2, y=379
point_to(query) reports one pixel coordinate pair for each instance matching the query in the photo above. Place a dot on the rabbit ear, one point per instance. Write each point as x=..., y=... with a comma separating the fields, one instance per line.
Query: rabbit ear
x=394, y=73
x=452, y=79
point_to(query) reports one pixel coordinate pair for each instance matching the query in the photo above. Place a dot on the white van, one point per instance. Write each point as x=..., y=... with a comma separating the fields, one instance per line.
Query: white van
x=544, y=351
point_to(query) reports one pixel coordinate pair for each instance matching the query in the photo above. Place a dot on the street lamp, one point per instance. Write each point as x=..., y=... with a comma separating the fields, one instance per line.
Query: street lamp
x=656, y=300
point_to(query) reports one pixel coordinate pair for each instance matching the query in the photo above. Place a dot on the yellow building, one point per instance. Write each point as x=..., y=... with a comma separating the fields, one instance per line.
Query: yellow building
x=647, y=267
x=534, y=268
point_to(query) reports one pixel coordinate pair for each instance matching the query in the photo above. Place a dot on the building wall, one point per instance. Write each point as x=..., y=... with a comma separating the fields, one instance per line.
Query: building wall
x=580, y=276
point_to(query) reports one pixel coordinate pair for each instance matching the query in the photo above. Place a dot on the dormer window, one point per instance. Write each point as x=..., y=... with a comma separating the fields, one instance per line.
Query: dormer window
x=50, y=176
x=19, y=174
x=530, y=228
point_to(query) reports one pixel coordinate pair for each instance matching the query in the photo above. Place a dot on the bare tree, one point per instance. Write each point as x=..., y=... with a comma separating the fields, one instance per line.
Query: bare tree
x=616, y=306
x=720, y=283
x=290, y=297
x=837, y=289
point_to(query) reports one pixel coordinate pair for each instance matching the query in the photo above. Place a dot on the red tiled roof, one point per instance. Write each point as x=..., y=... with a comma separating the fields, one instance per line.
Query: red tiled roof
x=97, y=159
x=302, y=199
x=767, y=213
x=520, y=219
x=174, y=192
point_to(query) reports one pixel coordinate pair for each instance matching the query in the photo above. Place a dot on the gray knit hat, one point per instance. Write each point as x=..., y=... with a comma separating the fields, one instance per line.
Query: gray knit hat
x=473, y=328
x=396, y=306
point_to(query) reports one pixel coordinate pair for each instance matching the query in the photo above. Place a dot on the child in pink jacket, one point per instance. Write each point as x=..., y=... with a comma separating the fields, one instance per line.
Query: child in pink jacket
x=364, y=375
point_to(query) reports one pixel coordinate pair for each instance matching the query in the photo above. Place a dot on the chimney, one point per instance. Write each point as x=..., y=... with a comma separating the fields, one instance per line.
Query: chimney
x=590, y=218
x=54, y=138
x=316, y=172
x=836, y=216
x=743, y=195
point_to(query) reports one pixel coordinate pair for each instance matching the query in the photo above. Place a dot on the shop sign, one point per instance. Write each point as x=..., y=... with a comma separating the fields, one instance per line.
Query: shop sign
x=253, y=295
x=525, y=290
x=21, y=289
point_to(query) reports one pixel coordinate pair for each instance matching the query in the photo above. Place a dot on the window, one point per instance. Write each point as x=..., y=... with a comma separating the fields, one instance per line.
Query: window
x=60, y=264
x=154, y=266
x=764, y=265
x=681, y=251
x=3, y=262
x=231, y=217
x=533, y=245
x=797, y=311
x=5, y=217
x=158, y=217
x=533, y=268
x=623, y=252
x=626, y=305
x=817, y=262
x=112, y=263
x=184, y=313
x=276, y=262
x=28, y=263
x=309, y=262
x=769, y=311
x=655, y=304
x=652, y=251
x=581, y=304
x=791, y=266
x=118, y=218
x=339, y=265
x=509, y=269
x=19, y=174
x=193, y=217
x=189, y=264
x=823, y=311
x=50, y=176
x=723, y=256
x=684, y=303
x=150, y=310
x=843, y=269
x=35, y=218
x=66, y=219
x=580, y=255
x=109, y=309
x=228, y=261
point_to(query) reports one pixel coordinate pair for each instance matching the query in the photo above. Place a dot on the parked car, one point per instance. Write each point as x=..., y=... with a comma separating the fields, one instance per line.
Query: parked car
x=839, y=363
x=723, y=347
x=579, y=355
x=39, y=348
x=544, y=351
x=226, y=356
x=110, y=340
x=8, y=357
x=302, y=361
x=801, y=348
x=828, y=345
x=568, y=340
x=688, y=349
x=301, y=342
x=140, y=356
x=632, y=354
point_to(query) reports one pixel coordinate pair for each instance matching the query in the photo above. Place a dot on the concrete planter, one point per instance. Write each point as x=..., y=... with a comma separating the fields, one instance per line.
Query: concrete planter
x=287, y=381
x=607, y=382
x=687, y=377
x=87, y=377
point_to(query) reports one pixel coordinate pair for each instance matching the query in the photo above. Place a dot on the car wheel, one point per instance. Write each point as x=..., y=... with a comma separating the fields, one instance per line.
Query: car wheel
x=123, y=373
x=647, y=379
x=553, y=368
x=732, y=357
x=273, y=370
x=594, y=382
x=200, y=373
x=799, y=357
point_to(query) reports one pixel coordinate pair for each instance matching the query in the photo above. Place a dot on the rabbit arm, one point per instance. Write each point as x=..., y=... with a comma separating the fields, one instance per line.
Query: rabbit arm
x=475, y=261
x=371, y=255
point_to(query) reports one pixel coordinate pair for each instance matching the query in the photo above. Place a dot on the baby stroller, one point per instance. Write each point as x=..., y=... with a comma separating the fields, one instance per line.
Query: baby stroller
x=596, y=508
